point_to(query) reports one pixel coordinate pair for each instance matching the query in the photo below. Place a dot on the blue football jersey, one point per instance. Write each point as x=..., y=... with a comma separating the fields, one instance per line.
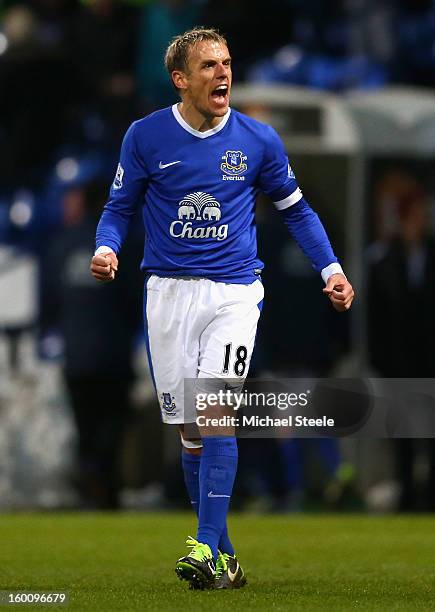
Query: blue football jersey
x=197, y=191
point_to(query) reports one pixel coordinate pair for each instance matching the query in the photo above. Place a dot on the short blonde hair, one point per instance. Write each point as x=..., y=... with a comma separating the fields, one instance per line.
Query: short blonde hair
x=177, y=54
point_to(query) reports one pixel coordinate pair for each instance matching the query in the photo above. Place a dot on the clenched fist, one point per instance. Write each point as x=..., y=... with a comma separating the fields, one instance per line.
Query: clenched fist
x=104, y=266
x=340, y=292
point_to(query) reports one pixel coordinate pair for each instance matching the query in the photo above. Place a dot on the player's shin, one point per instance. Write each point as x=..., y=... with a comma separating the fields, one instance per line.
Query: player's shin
x=191, y=465
x=216, y=479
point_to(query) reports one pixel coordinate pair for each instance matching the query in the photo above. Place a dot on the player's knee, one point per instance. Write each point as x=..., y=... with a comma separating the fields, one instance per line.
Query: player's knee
x=192, y=447
x=192, y=451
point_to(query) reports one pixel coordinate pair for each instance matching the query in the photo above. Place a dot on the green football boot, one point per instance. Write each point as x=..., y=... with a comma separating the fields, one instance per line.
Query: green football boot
x=229, y=574
x=198, y=567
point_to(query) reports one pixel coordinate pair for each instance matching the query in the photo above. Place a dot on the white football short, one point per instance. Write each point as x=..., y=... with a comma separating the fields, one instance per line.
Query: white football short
x=197, y=328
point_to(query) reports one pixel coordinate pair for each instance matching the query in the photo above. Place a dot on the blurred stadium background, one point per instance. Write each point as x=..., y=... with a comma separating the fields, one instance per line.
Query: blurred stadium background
x=349, y=85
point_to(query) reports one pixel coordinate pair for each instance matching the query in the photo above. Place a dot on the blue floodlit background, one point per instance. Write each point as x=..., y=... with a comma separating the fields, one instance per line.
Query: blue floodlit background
x=349, y=86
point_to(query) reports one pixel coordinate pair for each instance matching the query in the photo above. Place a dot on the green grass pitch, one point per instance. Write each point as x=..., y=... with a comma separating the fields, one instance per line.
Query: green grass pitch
x=297, y=562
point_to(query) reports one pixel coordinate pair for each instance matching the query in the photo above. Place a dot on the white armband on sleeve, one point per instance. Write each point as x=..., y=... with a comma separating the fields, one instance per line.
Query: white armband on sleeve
x=333, y=268
x=103, y=250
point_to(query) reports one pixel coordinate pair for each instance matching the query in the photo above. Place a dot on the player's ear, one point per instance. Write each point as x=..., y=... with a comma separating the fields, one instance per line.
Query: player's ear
x=179, y=79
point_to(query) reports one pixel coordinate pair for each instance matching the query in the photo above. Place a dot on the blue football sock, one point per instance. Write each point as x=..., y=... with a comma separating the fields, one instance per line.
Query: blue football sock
x=216, y=479
x=191, y=465
x=225, y=545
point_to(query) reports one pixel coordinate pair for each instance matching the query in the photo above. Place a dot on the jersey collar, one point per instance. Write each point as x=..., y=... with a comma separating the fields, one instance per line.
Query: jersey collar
x=197, y=133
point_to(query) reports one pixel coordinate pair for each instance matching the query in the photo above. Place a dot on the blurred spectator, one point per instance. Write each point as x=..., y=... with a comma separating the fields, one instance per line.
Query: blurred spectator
x=322, y=27
x=36, y=90
x=273, y=19
x=105, y=41
x=55, y=19
x=160, y=21
x=300, y=335
x=415, y=58
x=292, y=345
x=401, y=321
x=293, y=66
x=371, y=29
x=402, y=332
x=98, y=365
x=334, y=46
x=344, y=28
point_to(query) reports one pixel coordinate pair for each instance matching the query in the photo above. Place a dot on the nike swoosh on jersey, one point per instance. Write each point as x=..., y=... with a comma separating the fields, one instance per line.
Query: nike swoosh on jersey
x=162, y=165
x=232, y=575
x=211, y=494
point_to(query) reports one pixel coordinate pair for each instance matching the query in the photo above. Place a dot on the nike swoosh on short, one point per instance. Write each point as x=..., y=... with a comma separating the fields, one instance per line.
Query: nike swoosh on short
x=162, y=165
x=211, y=494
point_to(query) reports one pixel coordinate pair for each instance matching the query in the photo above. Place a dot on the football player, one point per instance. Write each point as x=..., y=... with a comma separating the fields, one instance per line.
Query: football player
x=195, y=170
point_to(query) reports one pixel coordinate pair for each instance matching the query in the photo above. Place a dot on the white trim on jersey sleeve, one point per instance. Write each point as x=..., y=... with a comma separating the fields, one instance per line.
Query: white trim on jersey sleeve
x=103, y=250
x=197, y=133
x=289, y=200
x=333, y=268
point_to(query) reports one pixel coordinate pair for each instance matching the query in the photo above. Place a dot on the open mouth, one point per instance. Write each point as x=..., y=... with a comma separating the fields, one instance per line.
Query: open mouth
x=220, y=94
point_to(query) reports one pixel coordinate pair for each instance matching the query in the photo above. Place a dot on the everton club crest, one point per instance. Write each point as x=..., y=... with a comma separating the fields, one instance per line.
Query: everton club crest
x=234, y=165
x=168, y=404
